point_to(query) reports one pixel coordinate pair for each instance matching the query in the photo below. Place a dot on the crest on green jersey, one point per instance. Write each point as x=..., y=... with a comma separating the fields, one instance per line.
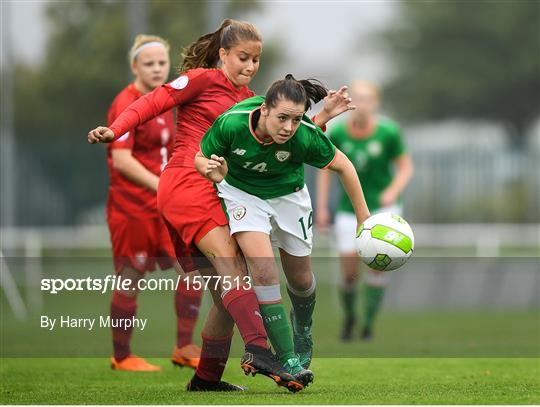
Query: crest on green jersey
x=239, y=212
x=282, y=155
x=374, y=148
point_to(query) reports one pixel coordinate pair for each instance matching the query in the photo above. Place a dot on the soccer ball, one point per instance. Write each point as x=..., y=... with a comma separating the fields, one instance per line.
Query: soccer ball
x=385, y=241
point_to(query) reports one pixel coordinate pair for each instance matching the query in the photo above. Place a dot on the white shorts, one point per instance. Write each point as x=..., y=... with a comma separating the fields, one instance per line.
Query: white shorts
x=345, y=228
x=287, y=219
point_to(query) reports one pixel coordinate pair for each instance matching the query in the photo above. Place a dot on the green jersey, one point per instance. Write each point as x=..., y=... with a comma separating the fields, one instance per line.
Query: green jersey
x=266, y=170
x=372, y=157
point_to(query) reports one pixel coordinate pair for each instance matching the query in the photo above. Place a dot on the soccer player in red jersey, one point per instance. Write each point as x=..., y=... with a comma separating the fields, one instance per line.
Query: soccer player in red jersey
x=139, y=236
x=189, y=204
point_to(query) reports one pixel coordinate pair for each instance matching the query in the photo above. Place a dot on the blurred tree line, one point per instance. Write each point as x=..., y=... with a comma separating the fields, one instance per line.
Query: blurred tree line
x=86, y=65
x=453, y=59
x=476, y=60
x=467, y=59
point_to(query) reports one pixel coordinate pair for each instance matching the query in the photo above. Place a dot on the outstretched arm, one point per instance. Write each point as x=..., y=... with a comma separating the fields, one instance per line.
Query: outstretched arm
x=143, y=109
x=349, y=178
x=214, y=168
x=322, y=214
x=180, y=91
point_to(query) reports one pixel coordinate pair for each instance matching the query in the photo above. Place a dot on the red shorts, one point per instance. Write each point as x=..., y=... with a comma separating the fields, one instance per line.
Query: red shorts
x=190, y=208
x=140, y=243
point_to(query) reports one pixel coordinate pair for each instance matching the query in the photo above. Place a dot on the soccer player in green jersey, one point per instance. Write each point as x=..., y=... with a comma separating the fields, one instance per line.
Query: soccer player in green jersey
x=375, y=147
x=256, y=152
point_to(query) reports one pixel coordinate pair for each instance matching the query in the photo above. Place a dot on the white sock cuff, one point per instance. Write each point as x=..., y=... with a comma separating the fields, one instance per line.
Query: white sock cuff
x=305, y=293
x=377, y=279
x=267, y=293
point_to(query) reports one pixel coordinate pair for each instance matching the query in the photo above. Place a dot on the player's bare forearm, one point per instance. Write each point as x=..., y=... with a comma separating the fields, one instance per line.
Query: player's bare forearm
x=214, y=168
x=321, y=118
x=403, y=174
x=322, y=216
x=132, y=169
x=200, y=163
x=324, y=180
x=349, y=178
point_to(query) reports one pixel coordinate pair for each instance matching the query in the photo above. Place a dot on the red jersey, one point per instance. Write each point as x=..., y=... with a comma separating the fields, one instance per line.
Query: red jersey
x=187, y=202
x=151, y=144
x=201, y=96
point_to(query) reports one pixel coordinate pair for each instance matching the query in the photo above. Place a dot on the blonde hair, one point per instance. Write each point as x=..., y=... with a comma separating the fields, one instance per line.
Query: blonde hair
x=361, y=83
x=143, y=39
x=204, y=53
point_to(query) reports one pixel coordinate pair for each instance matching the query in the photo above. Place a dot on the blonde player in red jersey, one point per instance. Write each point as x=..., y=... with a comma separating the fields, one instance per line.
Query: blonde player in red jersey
x=138, y=235
x=189, y=204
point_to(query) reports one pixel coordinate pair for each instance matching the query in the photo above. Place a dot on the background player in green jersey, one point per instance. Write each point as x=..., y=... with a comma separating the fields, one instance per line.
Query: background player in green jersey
x=256, y=152
x=375, y=147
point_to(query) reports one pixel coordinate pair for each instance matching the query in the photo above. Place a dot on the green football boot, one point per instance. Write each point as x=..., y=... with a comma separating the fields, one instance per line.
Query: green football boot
x=293, y=367
x=303, y=342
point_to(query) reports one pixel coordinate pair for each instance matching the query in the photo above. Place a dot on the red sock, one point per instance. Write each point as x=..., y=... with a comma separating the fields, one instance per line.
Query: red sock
x=243, y=306
x=214, y=355
x=186, y=303
x=122, y=307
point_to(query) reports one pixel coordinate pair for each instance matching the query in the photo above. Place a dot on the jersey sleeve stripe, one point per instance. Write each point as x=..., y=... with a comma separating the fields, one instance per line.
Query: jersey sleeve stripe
x=331, y=161
x=237, y=112
x=308, y=124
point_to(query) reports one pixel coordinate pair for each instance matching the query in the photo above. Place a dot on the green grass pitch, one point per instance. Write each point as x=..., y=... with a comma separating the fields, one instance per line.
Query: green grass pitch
x=338, y=381
x=425, y=356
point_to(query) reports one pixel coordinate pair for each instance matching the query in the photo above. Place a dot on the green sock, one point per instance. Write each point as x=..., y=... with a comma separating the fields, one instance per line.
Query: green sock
x=348, y=299
x=278, y=330
x=303, y=308
x=373, y=297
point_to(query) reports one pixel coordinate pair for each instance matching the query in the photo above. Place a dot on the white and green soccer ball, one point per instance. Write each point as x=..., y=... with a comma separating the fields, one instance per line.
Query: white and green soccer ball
x=385, y=241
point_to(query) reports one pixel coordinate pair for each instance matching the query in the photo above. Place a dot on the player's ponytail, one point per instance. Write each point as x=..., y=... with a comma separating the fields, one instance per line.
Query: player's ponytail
x=303, y=91
x=204, y=53
x=315, y=91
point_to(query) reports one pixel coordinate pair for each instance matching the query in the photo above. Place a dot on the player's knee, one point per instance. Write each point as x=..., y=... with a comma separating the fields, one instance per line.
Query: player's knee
x=263, y=270
x=301, y=282
x=227, y=263
x=351, y=273
x=350, y=279
x=264, y=277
